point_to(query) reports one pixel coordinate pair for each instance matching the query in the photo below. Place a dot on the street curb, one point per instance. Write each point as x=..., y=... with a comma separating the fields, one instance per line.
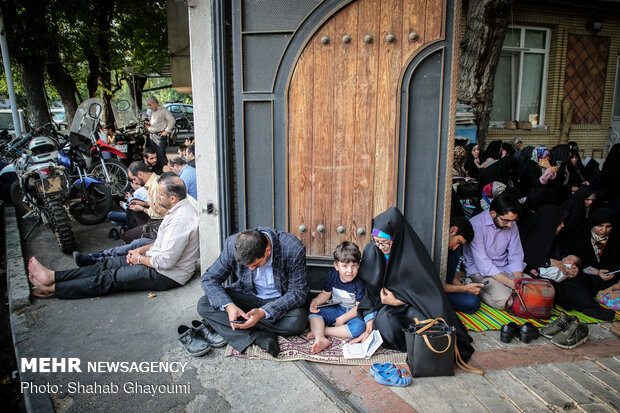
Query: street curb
x=19, y=297
x=17, y=284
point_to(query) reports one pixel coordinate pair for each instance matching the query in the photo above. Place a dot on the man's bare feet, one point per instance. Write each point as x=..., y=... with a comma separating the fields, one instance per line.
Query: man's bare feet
x=46, y=289
x=320, y=344
x=40, y=273
x=310, y=336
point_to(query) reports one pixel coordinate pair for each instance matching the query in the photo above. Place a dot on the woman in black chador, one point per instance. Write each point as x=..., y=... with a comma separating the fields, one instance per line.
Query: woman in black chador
x=401, y=284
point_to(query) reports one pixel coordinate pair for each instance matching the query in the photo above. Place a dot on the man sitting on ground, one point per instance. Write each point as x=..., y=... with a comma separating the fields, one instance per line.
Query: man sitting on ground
x=187, y=174
x=190, y=156
x=269, y=295
x=462, y=297
x=149, y=157
x=140, y=212
x=166, y=263
x=496, y=254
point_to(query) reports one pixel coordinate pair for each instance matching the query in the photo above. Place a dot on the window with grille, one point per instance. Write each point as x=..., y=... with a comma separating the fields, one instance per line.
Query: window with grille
x=584, y=78
x=521, y=76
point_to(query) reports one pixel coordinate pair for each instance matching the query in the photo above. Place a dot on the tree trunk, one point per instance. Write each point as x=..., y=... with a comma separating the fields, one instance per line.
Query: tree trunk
x=32, y=73
x=136, y=84
x=92, y=81
x=481, y=47
x=65, y=85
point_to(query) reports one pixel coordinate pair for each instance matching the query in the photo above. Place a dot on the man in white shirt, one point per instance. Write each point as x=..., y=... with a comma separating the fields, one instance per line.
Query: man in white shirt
x=161, y=125
x=166, y=263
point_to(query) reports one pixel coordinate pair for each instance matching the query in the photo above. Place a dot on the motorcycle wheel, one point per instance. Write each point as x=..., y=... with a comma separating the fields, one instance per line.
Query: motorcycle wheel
x=59, y=223
x=21, y=207
x=119, y=177
x=93, y=210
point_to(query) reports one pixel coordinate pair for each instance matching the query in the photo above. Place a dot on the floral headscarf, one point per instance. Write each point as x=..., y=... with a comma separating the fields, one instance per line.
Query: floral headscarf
x=540, y=152
x=489, y=192
x=460, y=156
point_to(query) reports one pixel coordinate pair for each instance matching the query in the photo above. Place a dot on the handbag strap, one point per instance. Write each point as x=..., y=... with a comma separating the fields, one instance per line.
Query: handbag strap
x=431, y=322
x=523, y=304
x=464, y=366
x=430, y=346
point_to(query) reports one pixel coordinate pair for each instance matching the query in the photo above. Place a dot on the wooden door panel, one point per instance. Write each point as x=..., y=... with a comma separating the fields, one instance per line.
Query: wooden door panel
x=300, y=147
x=342, y=118
x=323, y=120
x=344, y=125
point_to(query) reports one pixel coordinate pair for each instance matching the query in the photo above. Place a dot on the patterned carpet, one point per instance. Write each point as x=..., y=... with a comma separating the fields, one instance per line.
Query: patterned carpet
x=298, y=348
x=488, y=318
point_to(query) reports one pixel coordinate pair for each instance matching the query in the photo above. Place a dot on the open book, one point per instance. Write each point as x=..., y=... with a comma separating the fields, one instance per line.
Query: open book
x=365, y=349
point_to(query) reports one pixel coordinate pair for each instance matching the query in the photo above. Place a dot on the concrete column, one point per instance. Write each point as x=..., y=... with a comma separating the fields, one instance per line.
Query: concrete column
x=201, y=55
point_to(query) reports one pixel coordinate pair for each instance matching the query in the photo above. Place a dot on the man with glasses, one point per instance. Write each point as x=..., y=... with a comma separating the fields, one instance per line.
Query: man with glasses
x=495, y=254
x=269, y=292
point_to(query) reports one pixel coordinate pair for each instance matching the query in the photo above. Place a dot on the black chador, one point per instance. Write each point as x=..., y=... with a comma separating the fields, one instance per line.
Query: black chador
x=410, y=275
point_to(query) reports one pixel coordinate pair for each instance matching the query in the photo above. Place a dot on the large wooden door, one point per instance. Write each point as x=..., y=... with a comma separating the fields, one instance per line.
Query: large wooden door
x=342, y=118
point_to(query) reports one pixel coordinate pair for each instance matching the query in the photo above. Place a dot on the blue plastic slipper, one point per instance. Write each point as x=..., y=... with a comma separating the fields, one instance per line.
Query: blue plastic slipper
x=377, y=367
x=393, y=377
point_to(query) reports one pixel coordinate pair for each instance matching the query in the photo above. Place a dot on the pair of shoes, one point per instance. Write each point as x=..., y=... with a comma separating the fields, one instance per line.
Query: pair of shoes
x=193, y=344
x=207, y=333
x=82, y=260
x=393, y=377
x=559, y=324
x=526, y=333
x=269, y=342
x=572, y=336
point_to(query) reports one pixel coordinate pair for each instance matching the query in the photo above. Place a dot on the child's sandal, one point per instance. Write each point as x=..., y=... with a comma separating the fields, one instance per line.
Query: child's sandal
x=377, y=367
x=395, y=377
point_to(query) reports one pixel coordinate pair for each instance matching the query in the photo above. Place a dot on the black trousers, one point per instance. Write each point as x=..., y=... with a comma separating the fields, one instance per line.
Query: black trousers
x=112, y=274
x=159, y=144
x=294, y=321
x=578, y=294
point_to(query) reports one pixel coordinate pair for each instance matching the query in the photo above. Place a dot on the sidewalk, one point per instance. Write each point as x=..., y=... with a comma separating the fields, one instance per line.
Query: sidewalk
x=131, y=327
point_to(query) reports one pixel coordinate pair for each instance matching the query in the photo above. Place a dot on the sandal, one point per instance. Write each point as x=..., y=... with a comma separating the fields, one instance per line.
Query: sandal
x=40, y=294
x=377, y=367
x=395, y=377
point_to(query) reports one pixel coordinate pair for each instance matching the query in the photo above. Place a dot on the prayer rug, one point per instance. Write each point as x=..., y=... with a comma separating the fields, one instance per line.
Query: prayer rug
x=299, y=348
x=488, y=318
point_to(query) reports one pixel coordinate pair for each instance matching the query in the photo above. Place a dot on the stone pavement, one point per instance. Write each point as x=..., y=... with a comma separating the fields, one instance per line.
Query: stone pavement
x=131, y=327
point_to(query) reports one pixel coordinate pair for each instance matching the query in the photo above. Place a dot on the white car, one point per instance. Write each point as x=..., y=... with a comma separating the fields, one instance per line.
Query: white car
x=6, y=121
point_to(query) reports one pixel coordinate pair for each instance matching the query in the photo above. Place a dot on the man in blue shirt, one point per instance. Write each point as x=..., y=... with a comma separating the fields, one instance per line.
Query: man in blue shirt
x=186, y=173
x=268, y=296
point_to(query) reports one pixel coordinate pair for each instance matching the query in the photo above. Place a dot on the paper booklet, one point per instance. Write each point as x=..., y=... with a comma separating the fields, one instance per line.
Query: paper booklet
x=365, y=349
x=332, y=301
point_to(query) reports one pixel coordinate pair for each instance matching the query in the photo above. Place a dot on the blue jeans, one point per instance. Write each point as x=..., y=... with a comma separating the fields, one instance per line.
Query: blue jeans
x=464, y=302
x=121, y=250
x=355, y=326
x=117, y=218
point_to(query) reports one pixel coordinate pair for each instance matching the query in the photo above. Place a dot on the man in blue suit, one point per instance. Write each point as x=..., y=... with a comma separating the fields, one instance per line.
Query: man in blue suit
x=269, y=293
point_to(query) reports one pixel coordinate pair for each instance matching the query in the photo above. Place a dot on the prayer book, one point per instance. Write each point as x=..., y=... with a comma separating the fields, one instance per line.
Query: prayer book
x=365, y=349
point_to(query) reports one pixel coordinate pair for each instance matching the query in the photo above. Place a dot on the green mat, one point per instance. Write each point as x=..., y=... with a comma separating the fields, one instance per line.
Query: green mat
x=488, y=318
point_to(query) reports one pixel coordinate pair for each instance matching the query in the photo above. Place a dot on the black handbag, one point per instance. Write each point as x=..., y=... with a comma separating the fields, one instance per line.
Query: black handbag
x=431, y=349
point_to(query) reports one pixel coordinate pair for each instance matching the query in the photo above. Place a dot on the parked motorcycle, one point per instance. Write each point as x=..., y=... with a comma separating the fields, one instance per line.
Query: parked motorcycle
x=42, y=187
x=86, y=135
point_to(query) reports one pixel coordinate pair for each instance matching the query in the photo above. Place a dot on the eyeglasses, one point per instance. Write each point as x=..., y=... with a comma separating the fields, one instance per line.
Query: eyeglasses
x=506, y=221
x=381, y=243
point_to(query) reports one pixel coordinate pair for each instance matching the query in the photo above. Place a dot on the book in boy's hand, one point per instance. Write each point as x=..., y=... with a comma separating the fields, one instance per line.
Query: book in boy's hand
x=365, y=349
x=332, y=301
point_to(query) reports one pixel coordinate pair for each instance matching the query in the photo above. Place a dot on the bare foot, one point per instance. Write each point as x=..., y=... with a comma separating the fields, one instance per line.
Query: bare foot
x=320, y=344
x=40, y=273
x=47, y=289
x=310, y=336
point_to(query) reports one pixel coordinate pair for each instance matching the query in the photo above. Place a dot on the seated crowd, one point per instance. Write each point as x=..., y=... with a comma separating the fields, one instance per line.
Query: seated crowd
x=517, y=212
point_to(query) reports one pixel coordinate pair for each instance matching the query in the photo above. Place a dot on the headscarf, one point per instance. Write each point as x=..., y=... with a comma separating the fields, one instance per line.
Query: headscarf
x=538, y=236
x=539, y=153
x=460, y=157
x=493, y=151
x=470, y=164
x=409, y=273
x=489, y=192
x=526, y=153
x=575, y=205
x=610, y=174
x=599, y=217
